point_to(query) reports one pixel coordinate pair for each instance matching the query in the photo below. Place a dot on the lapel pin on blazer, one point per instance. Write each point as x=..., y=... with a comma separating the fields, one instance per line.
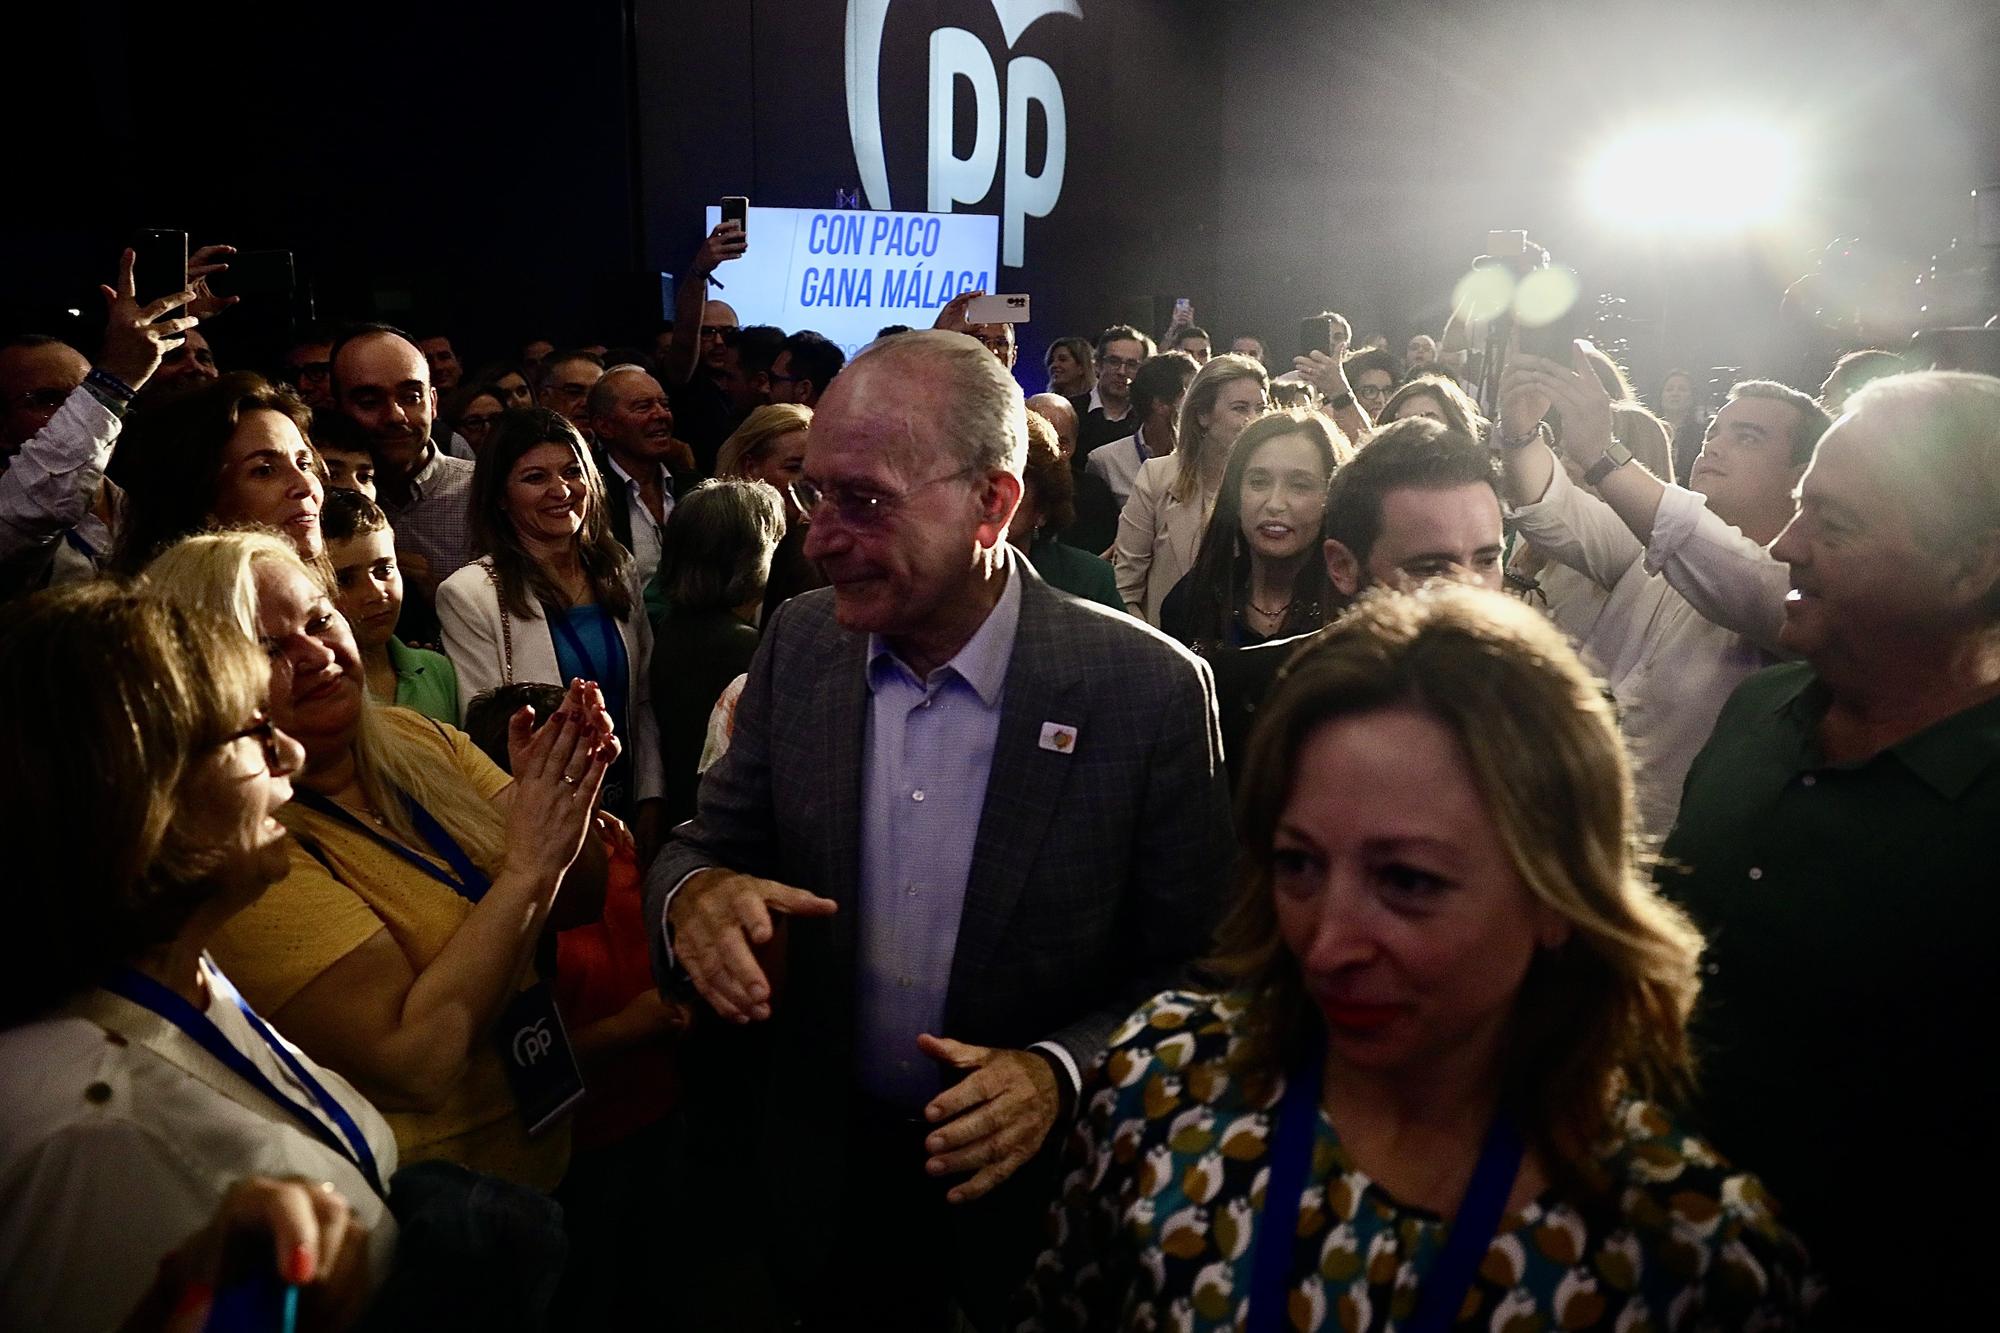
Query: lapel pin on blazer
x=1057, y=737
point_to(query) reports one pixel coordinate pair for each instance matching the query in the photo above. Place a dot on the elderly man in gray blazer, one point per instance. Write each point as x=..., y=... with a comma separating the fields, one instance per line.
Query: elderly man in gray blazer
x=965, y=826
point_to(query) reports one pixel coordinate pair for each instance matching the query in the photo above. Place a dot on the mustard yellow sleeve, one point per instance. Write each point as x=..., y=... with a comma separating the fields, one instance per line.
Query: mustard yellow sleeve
x=303, y=925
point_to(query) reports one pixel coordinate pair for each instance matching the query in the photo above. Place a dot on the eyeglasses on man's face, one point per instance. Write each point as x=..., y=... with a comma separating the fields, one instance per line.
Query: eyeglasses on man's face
x=861, y=506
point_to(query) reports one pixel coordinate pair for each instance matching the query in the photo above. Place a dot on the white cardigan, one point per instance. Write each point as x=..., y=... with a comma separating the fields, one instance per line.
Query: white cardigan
x=468, y=608
x=1158, y=538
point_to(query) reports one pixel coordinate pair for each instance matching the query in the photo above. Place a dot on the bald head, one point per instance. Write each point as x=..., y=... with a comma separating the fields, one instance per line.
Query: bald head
x=1057, y=411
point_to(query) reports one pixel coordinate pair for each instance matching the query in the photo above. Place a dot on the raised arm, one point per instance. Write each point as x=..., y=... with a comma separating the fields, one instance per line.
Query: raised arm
x=691, y=297
x=404, y=1035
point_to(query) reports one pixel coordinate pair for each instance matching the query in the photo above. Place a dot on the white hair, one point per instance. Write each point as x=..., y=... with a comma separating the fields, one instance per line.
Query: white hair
x=985, y=421
x=1938, y=435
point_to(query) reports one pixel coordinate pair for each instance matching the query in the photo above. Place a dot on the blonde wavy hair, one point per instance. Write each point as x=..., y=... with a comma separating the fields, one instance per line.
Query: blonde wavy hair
x=117, y=697
x=1599, y=1016
x=1191, y=442
x=748, y=443
x=216, y=572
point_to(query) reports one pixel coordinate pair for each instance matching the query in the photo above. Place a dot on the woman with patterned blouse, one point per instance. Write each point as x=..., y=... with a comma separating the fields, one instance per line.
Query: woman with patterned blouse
x=1451, y=998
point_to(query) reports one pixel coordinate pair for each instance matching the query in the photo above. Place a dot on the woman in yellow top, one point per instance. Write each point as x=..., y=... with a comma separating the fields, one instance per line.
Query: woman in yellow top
x=420, y=877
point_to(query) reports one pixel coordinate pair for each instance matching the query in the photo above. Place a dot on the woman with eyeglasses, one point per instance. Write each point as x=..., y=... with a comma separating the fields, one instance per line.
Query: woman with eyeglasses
x=1433, y=1087
x=1159, y=530
x=399, y=946
x=142, y=1093
x=470, y=412
x=553, y=597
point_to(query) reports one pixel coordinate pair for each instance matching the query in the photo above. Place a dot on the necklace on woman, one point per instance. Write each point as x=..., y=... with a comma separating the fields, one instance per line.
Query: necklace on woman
x=1270, y=613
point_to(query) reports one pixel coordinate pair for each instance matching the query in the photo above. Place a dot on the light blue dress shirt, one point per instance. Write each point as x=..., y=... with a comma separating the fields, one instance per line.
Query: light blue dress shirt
x=929, y=750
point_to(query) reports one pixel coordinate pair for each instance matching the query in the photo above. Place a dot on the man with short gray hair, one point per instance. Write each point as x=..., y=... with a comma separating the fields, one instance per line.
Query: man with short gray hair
x=1837, y=845
x=632, y=431
x=965, y=824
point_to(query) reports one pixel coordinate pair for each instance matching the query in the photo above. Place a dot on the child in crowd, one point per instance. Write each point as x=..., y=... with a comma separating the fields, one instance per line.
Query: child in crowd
x=368, y=589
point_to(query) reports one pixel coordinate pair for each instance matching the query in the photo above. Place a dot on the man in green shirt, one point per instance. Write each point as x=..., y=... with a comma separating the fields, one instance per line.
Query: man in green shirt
x=1839, y=844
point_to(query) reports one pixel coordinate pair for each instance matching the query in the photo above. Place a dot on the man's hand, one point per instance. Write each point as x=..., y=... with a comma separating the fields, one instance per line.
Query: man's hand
x=725, y=243
x=992, y=1121
x=133, y=343
x=1325, y=373
x=1524, y=399
x=720, y=920
x=1576, y=392
x=202, y=264
x=952, y=315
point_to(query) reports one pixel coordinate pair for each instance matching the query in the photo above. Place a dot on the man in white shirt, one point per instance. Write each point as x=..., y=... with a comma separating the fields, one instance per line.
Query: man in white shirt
x=1696, y=601
x=1157, y=392
x=1105, y=413
x=634, y=425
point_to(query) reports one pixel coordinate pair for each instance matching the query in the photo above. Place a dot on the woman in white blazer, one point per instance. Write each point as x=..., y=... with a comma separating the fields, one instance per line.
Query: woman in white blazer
x=1159, y=530
x=553, y=595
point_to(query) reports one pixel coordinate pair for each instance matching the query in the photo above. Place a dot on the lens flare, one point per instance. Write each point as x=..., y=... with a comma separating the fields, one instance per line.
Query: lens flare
x=1706, y=174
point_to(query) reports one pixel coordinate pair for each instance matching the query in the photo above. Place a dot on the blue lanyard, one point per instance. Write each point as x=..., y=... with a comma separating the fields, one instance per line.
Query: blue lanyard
x=150, y=995
x=601, y=670
x=470, y=882
x=1442, y=1292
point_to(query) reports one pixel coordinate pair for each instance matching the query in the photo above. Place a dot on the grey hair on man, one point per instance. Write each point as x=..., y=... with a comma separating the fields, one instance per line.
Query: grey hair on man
x=1941, y=448
x=986, y=427
x=604, y=394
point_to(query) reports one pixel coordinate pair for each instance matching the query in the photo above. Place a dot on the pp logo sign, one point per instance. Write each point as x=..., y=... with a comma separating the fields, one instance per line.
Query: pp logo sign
x=957, y=54
x=533, y=1042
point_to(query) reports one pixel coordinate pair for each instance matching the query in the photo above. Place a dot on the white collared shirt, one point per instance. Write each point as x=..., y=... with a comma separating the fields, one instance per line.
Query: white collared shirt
x=1097, y=405
x=645, y=529
x=1118, y=463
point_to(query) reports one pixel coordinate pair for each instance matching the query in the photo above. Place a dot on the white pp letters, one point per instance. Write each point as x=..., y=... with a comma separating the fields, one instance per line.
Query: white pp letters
x=956, y=54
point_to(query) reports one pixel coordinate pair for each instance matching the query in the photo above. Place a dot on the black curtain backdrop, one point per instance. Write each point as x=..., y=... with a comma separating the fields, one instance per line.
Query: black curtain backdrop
x=514, y=170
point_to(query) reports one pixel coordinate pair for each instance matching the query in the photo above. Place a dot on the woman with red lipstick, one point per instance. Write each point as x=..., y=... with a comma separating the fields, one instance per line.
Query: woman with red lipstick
x=1259, y=575
x=1425, y=1097
x=232, y=451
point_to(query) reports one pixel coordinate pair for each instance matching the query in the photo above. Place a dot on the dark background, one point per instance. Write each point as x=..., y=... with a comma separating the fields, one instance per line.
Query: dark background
x=508, y=170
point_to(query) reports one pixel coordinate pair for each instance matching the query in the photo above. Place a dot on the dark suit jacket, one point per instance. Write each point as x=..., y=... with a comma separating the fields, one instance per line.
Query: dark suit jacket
x=1243, y=677
x=1092, y=430
x=618, y=505
x=1097, y=873
x=701, y=652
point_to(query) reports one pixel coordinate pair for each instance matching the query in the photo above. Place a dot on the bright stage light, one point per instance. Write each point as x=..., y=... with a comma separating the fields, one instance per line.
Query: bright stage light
x=1711, y=174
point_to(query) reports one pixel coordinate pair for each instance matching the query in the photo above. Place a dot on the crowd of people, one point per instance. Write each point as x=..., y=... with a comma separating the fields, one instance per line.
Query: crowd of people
x=720, y=834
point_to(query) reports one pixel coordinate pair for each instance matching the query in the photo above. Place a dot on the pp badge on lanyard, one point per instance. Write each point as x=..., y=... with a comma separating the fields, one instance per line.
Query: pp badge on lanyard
x=541, y=1066
x=534, y=1048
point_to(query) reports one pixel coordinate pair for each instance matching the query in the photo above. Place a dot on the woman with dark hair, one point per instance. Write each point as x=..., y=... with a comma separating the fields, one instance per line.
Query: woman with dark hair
x=1450, y=995
x=553, y=597
x=470, y=412
x=508, y=382
x=714, y=562
x=1069, y=362
x=1437, y=397
x=1048, y=506
x=230, y=450
x=1259, y=575
x=1160, y=527
x=137, y=807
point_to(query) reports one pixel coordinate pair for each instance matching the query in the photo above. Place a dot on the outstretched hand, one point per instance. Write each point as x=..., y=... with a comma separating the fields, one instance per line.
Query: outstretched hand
x=992, y=1121
x=136, y=337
